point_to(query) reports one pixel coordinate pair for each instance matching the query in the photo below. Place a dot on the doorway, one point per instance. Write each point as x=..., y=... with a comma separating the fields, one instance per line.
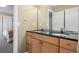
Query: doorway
x=50, y=15
x=6, y=29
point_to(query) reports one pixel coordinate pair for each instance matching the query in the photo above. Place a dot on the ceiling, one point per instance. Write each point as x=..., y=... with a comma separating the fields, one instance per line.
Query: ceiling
x=62, y=7
x=6, y=10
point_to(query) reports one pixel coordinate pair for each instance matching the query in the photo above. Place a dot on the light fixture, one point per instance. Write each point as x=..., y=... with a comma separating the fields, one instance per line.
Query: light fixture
x=3, y=5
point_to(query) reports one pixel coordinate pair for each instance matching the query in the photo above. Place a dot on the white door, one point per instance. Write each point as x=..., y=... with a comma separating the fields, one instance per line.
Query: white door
x=58, y=20
x=71, y=19
x=0, y=27
x=0, y=32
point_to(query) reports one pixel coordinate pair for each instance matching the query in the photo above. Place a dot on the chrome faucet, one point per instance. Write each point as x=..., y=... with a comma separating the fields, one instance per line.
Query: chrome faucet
x=62, y=30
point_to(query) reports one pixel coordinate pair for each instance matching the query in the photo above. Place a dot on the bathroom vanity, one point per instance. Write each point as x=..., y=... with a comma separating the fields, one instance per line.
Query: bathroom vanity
x=47, y=42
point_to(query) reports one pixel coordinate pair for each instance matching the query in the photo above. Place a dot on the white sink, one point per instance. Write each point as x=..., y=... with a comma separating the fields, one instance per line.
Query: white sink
x=59, y=34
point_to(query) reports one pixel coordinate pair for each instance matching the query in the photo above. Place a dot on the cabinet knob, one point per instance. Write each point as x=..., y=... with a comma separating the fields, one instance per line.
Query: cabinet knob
x=41, y=42
x=68, y=44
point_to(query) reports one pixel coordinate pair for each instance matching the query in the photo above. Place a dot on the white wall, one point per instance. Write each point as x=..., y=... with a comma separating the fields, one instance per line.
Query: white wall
x=15, y=29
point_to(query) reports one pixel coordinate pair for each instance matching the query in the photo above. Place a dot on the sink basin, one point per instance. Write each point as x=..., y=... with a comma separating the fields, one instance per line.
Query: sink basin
x=60, y=34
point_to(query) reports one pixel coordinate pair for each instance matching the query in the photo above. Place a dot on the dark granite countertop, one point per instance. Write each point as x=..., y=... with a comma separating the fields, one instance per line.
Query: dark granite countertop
x=73, y=37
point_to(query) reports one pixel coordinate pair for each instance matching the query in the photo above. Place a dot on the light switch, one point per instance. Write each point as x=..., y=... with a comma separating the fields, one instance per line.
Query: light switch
x=18, y=24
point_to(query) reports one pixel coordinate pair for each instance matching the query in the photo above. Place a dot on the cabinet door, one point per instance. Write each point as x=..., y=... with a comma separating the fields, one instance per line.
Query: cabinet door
x=49, y=48
x=34, y=45
x=68, y=44
x=58, y=20
x=71, y=19
x=62, y=50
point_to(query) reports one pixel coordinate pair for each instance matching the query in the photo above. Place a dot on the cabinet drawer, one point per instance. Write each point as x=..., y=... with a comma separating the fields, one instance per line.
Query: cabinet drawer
x=68, y=44
x=49, y=48
x=62, y=50
x=49, y=39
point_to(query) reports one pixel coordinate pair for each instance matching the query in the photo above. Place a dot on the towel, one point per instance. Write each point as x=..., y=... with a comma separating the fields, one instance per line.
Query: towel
x=6, y=35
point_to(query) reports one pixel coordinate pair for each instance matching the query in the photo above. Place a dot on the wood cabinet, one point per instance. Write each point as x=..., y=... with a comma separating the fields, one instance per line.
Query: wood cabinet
x=45, y=38
x=49, y=48
x=68, y=44
x=34, y=45
x=41, y=43
x=38, y=43
x=63, y=50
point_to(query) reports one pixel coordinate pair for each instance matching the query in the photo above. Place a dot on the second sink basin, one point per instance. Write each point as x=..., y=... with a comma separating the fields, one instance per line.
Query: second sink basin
x=56, y=34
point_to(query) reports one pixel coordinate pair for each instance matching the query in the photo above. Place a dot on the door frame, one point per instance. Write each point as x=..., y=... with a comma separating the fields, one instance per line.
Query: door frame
x=15, y=29
x=49, y=10
x=78, y=33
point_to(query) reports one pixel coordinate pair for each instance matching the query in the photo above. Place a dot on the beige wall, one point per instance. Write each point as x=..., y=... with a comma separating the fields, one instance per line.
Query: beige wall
x=43, y=16
x=28, y=21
